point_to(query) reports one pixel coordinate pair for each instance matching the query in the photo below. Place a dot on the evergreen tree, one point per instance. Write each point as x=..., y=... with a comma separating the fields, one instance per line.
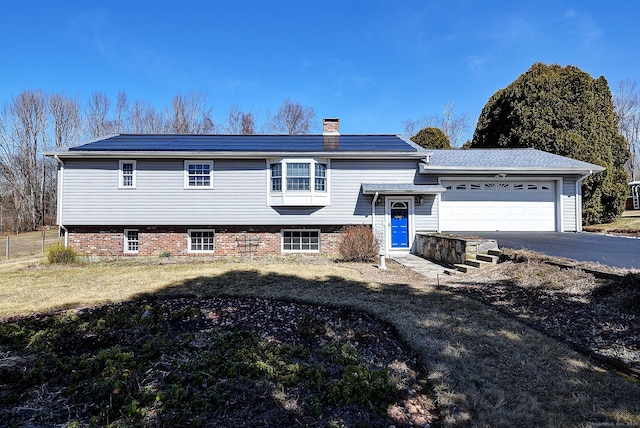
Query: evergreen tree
x=563, y=110
x=431, y=138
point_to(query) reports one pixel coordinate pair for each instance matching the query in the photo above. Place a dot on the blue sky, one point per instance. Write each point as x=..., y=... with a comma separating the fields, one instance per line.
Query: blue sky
x=373, y=64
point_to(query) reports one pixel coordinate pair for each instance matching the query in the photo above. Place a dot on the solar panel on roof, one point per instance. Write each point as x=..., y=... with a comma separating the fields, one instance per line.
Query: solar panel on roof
x=257, y=143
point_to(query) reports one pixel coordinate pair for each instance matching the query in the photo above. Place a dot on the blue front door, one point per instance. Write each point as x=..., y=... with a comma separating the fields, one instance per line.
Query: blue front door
x=399, y=225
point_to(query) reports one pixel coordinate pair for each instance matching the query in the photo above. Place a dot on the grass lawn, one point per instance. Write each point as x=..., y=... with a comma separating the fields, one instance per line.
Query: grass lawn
x=628, y=223
x=484, y=369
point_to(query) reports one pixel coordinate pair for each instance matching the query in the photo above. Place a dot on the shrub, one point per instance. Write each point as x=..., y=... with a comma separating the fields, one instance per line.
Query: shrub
x=358, y=244
x=59, y=254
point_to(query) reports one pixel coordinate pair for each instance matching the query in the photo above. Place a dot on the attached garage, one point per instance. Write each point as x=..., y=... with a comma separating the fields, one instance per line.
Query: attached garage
x=498, y=205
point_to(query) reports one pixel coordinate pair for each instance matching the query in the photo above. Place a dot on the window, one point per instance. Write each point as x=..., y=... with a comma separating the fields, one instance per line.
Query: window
x=198, y=174
x=299, y=182
x=127, y=174
x=276, y=177
x=321, y=177
x=298, y=177
x=490, y=186
x=201, y=241
x=301, y=240
x=131, y=241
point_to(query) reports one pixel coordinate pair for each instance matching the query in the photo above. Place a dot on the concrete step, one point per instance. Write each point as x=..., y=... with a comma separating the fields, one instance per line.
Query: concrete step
x=487, y=258
x=476, y=263
x=496, y=253
x=464, y=268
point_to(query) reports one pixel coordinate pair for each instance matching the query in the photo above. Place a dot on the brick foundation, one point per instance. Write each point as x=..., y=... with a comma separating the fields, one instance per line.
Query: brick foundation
x=228, y=240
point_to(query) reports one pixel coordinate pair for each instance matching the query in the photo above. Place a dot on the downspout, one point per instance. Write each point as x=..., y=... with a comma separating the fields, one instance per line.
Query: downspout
x=60, y=199
x=373, y=211
x=579, y=202
x=382, y=264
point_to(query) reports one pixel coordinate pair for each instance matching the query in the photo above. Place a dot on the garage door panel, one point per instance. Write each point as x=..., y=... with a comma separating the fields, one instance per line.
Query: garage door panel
x=505, y=206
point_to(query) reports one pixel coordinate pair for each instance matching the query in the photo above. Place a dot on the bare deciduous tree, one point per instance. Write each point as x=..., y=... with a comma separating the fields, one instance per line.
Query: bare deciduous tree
x=143, y=118
x=248, y=126
x=120, y=123
x=65, y=113
x=292, y=118
x=183, y=116
x=96, y=116
x=239, y=123
x=23, y=138
x=453, y=125
x=626, y=102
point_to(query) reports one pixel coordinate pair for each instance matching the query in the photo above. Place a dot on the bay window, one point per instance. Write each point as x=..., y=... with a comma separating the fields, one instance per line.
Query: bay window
x=298, y=182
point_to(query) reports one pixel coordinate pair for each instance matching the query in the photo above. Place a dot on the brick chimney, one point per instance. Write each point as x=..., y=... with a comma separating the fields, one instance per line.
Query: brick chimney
x=330, y=126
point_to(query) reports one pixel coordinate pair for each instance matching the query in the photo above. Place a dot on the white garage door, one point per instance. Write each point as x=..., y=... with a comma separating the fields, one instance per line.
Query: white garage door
x=498, y=205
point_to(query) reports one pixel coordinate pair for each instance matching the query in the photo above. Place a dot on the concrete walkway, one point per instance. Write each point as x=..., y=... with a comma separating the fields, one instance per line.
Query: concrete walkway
x=422, y=266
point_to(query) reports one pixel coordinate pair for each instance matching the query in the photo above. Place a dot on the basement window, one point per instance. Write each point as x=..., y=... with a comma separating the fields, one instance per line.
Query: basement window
x=131, y=241
x=201, y=241
x=301, y=240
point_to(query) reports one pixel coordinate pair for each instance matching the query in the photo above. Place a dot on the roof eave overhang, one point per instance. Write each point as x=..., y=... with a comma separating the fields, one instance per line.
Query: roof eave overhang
x=122, y=154
x=466, y=170
x=373, y=189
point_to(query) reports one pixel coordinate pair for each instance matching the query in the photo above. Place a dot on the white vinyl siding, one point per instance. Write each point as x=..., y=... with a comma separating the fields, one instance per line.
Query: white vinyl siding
x=569, y=201
x=240, y=195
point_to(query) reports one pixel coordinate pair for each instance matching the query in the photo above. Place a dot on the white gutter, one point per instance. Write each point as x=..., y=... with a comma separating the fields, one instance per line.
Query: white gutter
x=60, y=199
x=119, y=154
x=579, y=200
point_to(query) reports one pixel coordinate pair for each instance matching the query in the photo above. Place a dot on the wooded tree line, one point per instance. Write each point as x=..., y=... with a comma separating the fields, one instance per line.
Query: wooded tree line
x=33, y=123
x=560, y=110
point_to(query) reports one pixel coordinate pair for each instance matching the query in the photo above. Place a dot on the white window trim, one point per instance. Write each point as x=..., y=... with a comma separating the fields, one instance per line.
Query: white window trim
x=311, y=197
x=189, y=250
x=186, y=174
x=121, y=174
x=300, y=230
x=126, y=241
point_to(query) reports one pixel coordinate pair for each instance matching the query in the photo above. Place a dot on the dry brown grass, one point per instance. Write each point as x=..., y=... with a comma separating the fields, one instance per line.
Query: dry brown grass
x=26, y=244
x=486, y=369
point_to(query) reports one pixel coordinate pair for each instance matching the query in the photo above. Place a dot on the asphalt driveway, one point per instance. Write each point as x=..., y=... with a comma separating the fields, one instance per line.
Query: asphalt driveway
x=615, y=251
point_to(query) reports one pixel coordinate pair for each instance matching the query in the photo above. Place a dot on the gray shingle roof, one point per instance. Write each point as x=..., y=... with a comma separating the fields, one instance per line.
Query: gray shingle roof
x=493, y=159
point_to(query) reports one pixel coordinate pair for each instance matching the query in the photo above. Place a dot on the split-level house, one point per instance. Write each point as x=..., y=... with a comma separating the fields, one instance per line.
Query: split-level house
x=274, y=194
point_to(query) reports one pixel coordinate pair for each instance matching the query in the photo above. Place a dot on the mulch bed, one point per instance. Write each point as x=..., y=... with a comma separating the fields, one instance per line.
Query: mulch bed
x=600, y=317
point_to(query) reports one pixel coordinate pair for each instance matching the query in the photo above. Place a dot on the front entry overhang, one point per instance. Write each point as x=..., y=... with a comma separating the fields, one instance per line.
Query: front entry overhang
x=401, y=189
